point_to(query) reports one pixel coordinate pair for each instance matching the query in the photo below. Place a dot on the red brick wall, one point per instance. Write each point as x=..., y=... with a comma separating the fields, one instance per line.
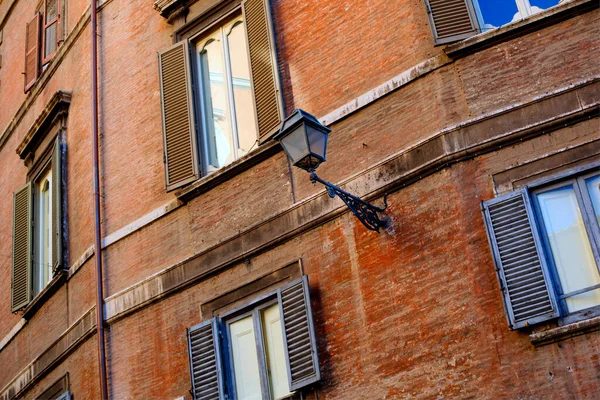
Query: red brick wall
x=417, y=313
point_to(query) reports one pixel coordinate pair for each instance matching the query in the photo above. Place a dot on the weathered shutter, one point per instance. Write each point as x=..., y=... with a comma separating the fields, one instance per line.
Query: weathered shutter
x=299, y=337
x=22, y=248
x=57, y=185
x=205, y=361
x=519, y=259
x=451, y=20
x=32, y=51
x=263, y=65
x=179, y=131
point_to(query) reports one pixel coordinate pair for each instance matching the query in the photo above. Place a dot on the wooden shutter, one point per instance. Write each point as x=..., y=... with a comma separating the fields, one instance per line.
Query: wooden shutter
x=299, y=337
x=57, y=186
x=32, y=51
x=451, y=20
x=179, y=128
x=22, y=248
x=519, y=260
x=205, y=361
x=263, y=65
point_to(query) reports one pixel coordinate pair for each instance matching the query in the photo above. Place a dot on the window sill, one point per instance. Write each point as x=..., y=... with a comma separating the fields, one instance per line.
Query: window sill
x=530, y=24
x=214, y=179
x=565, y=332
x=44, y=295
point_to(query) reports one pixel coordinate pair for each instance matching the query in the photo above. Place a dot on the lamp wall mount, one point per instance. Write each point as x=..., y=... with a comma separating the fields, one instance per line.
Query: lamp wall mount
x=367, y=213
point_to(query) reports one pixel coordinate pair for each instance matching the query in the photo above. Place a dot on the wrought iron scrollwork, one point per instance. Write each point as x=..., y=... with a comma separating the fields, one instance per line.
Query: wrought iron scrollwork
x=367, y=213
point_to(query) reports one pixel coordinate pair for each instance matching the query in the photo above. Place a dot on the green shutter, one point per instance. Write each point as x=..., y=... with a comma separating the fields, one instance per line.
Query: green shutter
x=179, y=129
x=57, y=221
x=263, y=65
x=22, y=248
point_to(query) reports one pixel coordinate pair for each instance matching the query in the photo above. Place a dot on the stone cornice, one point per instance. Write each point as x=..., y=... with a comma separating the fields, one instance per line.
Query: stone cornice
x=57, y=105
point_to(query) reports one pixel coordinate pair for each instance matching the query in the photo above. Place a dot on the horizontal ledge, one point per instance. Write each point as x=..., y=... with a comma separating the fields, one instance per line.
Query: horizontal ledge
x=565, y=332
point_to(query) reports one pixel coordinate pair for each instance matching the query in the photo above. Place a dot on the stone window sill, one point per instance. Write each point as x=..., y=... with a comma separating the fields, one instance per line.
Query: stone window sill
x=44, y=295
x=565, y=332
x=530, y=24
x=214, y=179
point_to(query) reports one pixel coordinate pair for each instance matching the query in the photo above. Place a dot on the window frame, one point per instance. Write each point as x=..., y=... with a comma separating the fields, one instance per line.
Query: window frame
x=221, y=27
x=523, y=7
x=43, y=171
x=254, y=309
x=575, y=178
x=46, y=25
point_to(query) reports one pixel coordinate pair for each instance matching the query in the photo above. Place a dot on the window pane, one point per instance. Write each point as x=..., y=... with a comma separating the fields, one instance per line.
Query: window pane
x=51, y=10
x=42, y=270
x=216, y=113
x=50, y=42
x=242, y=92
x=570, y=246
x=275, y=353
x=593, y=186
x=496, y=13
x=541, y=5
x=245, y=360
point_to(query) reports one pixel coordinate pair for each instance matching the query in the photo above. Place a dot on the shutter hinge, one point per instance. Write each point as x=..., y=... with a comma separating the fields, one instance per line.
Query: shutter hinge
x=164, y=158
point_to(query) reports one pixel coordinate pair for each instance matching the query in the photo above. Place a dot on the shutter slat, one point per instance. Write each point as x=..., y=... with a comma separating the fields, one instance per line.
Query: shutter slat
x=22, y=248
x=451, y=20
x=180, y=146
x=265, y=83
x=299, y=336
x=205, y=361
x=517, y=251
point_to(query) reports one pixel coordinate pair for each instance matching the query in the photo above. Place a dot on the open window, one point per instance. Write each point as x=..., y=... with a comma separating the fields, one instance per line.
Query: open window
x=266, y=350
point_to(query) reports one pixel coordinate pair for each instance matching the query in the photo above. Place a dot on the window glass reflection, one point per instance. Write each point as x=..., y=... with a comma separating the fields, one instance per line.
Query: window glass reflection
x=495, y=13
x=593, y=187
x=570, y=246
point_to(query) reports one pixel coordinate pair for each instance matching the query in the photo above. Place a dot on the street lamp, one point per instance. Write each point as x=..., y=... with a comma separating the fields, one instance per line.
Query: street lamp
x=304, y=139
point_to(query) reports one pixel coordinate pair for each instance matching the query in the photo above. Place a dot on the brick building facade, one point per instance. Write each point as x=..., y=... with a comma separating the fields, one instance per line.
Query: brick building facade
x=451, y=121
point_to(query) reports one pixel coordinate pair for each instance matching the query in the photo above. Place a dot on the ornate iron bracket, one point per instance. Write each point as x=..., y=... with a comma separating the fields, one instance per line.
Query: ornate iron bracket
x=365, y=212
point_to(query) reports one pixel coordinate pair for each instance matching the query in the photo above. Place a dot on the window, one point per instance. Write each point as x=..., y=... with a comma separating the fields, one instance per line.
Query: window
x=264, y=351
x=220, y=93
x=459, y=19
x=258, y=332
x=546, y=245
x=43, y=35
x=569, y=213
x=492, y=14
x=228, y=107
x=42, y=227
x=37, y=229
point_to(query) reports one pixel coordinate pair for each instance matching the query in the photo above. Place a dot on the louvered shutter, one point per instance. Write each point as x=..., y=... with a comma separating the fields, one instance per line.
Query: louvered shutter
x=205, y=361
x=299, y=334
x=263, y=65
x=32, y=51
x=57, y=185
x=179, y=128
x=22, y=248
x=519, y=259
x=451, y=20
x=51, y=31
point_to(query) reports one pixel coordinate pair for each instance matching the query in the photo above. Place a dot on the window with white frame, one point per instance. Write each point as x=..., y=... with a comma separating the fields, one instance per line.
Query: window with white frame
x=492, y=14
x=42, y=231
x=220, y=91
x=545, y=240
x=228, y=116
x=264, y=351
